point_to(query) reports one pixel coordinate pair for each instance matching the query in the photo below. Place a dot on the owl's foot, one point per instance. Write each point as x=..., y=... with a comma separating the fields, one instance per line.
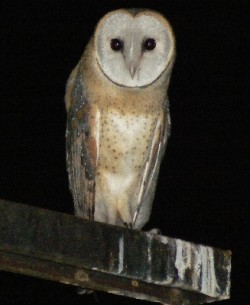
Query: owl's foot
x=128, y=225
x=155, y=231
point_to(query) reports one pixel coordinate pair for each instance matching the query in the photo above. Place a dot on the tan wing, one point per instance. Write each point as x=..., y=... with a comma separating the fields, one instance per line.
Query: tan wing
x=151, y=171
x=80, y=146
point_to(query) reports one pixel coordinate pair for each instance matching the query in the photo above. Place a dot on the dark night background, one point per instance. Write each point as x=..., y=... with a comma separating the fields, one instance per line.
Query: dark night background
x=203, y=188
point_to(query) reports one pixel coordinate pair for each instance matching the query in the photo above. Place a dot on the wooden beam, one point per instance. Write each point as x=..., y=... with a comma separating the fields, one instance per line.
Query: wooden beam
x=67, y=249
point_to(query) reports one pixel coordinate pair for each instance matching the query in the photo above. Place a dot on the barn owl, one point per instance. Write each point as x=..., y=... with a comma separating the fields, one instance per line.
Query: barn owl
x=118, y=119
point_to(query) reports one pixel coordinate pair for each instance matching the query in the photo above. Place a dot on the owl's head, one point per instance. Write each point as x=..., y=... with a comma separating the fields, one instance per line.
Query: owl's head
x=134, y=48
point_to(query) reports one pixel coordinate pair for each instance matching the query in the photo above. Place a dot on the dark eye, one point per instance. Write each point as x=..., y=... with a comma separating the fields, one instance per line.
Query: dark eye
x=116, y=44
x=149, y=44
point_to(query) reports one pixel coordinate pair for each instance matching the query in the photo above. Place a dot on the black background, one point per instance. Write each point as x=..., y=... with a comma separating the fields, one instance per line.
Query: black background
x=202, y=194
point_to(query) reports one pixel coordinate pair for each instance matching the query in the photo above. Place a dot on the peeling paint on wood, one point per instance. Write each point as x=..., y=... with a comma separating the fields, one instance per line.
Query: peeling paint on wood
x=98, y=256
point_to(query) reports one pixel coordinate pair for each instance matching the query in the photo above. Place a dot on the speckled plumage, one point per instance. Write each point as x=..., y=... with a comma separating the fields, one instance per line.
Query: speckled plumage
x=116, y=137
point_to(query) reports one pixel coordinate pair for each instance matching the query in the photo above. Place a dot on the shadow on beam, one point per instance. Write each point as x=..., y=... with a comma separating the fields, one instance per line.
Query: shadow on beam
x=70, y=250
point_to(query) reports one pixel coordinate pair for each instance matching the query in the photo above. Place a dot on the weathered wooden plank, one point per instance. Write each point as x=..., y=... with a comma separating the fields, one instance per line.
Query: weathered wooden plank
x=98, y=256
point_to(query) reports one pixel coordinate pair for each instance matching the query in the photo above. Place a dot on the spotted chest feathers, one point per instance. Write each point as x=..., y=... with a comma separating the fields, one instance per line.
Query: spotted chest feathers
x=125, y=143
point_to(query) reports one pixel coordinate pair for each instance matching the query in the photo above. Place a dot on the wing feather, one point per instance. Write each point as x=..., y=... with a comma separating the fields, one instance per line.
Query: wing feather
x=151, y=171
x=80, y=146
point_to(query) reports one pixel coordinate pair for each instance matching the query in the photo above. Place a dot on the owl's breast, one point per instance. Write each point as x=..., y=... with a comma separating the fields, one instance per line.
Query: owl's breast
x=125, y=141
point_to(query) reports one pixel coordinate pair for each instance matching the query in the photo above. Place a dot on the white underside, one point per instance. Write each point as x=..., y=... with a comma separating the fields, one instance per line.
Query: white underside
x=121, y=191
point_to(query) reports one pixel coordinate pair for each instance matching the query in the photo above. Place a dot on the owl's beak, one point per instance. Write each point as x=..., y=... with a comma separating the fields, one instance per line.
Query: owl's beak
x=132, y=69
x=132, y=63
x=132, y=66
x=132, y=54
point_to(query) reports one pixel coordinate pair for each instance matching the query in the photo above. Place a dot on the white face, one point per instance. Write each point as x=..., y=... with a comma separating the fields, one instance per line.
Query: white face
x=134, y=50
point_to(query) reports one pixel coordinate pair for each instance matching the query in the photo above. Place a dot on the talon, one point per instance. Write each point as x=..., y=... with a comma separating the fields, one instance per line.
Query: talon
x=155, y=231
x=128, y=225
